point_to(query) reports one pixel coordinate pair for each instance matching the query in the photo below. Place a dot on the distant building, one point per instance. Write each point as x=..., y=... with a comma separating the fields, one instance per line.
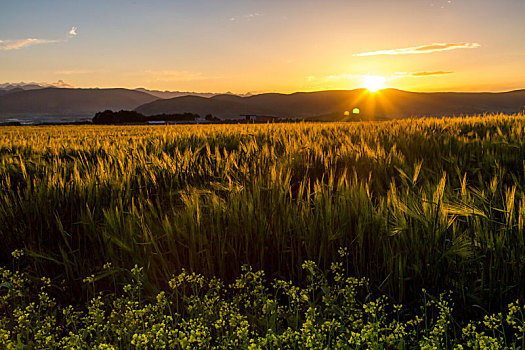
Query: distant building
x=259, y=118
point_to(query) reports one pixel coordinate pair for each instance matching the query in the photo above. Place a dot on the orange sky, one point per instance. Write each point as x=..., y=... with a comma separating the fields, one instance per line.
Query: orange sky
x=260, y=46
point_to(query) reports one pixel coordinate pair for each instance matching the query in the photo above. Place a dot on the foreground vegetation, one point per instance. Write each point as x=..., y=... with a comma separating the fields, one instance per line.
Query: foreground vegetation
x=434, y=204
x=201, y=313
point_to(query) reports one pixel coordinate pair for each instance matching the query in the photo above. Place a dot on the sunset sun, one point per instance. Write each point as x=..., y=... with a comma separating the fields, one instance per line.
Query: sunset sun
x=373, y=83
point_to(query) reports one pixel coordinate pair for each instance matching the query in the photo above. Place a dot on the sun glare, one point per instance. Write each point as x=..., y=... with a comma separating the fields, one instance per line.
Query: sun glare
x=373, y=82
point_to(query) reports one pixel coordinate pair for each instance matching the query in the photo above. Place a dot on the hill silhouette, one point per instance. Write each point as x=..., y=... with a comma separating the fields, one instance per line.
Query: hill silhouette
x=59, y=102
x=330, y=105
x=172, y=94
x=321, y=105
x=10, y=90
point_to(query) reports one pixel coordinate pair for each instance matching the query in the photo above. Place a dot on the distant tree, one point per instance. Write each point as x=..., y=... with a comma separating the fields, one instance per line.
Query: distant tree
x=120, y=117
x=211, y=118
x=102, y=117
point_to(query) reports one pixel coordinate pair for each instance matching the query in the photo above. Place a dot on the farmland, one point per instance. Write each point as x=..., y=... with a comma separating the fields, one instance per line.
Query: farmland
x=401, y=206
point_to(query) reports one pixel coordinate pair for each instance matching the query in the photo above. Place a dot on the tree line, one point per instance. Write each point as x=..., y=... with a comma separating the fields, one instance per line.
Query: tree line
x=123, y=117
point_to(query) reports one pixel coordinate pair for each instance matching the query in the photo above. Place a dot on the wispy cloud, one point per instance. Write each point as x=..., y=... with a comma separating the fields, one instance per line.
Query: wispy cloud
x=334, y=77
x=246, y=17
x=420, y=74
x=342, y=77
x=6, y=45
x=73, y=72
x=347, y=76
x=252, y=15
x=436, y=47
x=73, y=31
x=174, y=75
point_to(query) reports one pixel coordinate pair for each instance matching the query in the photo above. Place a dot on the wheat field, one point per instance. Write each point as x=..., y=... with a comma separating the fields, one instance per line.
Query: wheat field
x=420, y=203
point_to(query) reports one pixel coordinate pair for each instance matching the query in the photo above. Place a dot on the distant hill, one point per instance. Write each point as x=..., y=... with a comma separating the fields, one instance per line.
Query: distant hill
x=222, y=106
x=62, y=102
x=7, y=88
x=10, y=90
x=31, y=102
x=21, y=86
x=34, y=85
x=330, y=105
x=172, y=94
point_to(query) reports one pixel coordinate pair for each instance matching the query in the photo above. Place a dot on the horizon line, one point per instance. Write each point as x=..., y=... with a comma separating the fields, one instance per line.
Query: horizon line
x=249, y=93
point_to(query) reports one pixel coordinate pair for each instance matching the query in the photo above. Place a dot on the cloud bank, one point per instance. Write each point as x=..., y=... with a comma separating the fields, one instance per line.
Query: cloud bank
x=436, y=47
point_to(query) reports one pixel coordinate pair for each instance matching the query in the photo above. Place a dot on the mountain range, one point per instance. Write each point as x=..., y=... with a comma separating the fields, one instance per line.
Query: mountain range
x=172, y=94
x=6, y=88
x=71, y=103
x=331, y=105
x=34, y=102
